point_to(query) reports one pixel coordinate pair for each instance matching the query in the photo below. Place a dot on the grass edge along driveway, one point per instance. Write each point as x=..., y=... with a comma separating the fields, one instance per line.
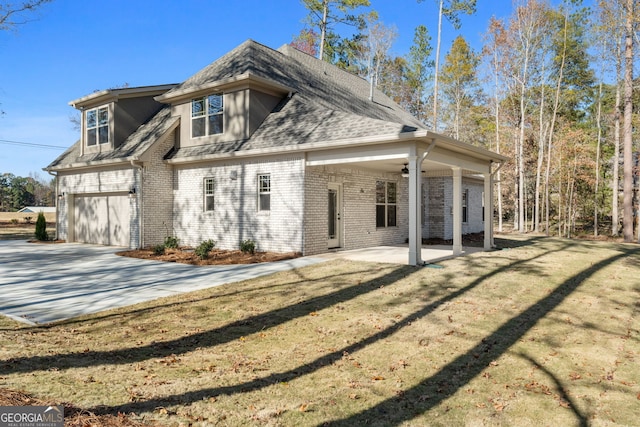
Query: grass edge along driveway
x=544, y=332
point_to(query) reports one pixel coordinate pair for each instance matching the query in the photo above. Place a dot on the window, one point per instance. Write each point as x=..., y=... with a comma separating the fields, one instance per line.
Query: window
x=386, y=199
x=97, y=126
x=206, y=116
x=209, y=198
x=465, y=210
x=264, y=192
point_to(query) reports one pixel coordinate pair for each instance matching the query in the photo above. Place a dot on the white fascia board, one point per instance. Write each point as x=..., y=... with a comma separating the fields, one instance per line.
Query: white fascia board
x=109, y=95
x=446, y=157
x=223, y=84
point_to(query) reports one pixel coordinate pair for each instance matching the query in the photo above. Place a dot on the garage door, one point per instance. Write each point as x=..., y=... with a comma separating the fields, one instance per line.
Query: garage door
x=102, y=220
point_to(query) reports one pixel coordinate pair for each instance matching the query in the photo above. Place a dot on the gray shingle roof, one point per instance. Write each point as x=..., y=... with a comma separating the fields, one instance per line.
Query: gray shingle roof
x=328, y=104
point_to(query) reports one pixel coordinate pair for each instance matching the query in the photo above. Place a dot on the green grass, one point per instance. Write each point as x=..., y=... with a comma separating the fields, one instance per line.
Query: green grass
x=544, y=333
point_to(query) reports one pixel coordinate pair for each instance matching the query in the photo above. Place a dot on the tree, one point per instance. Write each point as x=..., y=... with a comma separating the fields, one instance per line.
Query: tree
x=380, y=38
x=450, y=9
x=323, y=14
x=419, y=70
x=494, y=49
x=627, y=197
x=460, y=81
x=15, y=14
x=306, y=41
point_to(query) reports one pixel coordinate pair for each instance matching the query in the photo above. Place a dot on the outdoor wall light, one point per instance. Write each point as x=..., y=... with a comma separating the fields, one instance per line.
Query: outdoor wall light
x=132, y=192
x=60, y=196
x=405, y=171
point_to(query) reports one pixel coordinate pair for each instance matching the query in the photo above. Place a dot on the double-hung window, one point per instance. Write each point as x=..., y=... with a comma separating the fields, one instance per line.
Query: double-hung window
x=207, y=116
x=97, y=124
x=264, y=192
x=386, y=208
x=209, y=191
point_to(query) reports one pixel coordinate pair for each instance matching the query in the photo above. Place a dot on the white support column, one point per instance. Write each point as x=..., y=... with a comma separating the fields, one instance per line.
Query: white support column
x=415, y=229
x=457, y=211
x=488, y=211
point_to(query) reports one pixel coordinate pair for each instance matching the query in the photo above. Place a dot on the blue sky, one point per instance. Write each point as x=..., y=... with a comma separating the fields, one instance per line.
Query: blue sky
x=74, y=47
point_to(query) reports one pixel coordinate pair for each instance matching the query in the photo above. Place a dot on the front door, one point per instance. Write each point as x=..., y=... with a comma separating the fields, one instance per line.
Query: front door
x=335, y=215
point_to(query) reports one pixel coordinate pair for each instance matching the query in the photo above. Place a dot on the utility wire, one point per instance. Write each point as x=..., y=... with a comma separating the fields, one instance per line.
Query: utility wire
x=34, y=145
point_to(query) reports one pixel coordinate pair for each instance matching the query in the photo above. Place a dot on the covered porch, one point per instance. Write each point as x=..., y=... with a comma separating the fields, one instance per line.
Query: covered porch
x=413, y=156
x=430, y=254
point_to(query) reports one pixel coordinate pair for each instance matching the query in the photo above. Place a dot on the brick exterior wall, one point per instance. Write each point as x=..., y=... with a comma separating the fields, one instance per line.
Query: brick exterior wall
x=236, y=216
x=157, y=194
x=358, y=208
x=438, y=205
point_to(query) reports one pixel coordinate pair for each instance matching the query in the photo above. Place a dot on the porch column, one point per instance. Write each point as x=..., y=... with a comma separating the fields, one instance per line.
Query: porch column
x=488, y=211
x=415, y=229
x=457, y=211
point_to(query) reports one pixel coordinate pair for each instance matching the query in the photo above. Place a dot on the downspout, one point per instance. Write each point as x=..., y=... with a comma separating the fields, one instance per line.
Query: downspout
x=493, y=243
x=57, y=200
x=140, y=204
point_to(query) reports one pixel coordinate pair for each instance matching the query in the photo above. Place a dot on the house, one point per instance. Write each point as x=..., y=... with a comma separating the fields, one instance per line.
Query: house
x=37, y=209
x=269, y=145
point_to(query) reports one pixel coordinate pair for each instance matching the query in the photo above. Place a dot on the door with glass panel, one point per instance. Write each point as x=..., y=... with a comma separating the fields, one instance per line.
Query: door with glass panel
x=335, y=215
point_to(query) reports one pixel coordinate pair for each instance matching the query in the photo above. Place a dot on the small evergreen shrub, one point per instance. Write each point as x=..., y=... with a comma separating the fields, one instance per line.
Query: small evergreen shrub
x=203, y=249
x=27, y=219
x=158, y=249
x=171, y=242
x=41, y=227
x=14, y=221
x=248, y=246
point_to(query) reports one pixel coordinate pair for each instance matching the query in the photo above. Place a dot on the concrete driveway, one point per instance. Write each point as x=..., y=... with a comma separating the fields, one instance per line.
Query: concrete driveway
x=45, y=283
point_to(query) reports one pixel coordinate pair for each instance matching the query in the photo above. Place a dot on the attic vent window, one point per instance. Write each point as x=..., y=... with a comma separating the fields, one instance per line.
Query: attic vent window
x=207, y=116
x=97, y=126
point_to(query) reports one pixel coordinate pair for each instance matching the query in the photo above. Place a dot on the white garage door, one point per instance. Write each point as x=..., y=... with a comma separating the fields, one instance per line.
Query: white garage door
x=102, y=220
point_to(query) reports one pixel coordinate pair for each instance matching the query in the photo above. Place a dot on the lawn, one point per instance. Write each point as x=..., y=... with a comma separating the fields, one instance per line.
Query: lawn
x=545, y=332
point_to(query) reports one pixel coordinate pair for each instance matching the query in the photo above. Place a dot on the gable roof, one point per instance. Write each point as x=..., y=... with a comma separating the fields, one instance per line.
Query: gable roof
x=131, y=149
x=324, y=104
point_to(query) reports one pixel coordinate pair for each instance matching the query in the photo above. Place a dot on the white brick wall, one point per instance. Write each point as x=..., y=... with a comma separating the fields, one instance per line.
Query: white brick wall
x=359, y=211
x=157, y=195
x=236, y=216
x=101, y=180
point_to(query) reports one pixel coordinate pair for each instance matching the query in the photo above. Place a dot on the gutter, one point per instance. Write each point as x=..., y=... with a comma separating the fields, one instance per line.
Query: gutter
x=139, y=194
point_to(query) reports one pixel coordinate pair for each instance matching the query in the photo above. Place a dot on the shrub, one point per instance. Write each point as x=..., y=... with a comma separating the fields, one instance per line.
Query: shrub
x=27, y=219
x=41, y=227
x=158, y=249
x=203, y=249
x=14, y=221
x=248, y=246
x=171, y=242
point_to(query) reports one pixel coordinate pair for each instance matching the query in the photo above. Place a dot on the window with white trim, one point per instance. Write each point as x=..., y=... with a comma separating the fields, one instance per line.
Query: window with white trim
x=264, y=192
x=465, y=204
x=207, y=116
x=97, y=126
x=386, y=207
x=209, y=194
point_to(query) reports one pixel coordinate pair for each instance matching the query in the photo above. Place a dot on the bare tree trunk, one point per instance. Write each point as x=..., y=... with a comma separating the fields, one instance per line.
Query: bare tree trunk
x=599, y=124
x=541, y=139
x=323, y=28
x=437, y=70
x=553, y=123
x=615, y=198
x=520, y=150
x=627, y=201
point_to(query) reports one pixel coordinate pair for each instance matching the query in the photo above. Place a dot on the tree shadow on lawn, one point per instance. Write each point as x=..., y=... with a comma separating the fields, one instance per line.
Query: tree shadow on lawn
x=488, y=348
x=206, y=339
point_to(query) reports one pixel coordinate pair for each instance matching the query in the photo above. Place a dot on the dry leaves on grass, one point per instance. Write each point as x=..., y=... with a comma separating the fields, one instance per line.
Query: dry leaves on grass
x=73, y=416
x=216, y=256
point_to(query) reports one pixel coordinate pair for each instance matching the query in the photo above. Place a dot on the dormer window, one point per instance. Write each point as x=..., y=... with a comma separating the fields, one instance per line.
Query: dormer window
x=207, y=116
x=97, y=126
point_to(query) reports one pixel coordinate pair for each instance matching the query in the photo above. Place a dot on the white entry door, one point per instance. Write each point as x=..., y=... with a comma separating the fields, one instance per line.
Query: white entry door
x=335, y=215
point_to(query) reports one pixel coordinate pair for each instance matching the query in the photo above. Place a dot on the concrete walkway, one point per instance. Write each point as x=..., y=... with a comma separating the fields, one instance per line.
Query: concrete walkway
x=46, y=283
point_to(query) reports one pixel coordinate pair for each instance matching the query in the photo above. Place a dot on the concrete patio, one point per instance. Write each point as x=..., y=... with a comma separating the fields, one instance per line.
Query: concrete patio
x=431, y=254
